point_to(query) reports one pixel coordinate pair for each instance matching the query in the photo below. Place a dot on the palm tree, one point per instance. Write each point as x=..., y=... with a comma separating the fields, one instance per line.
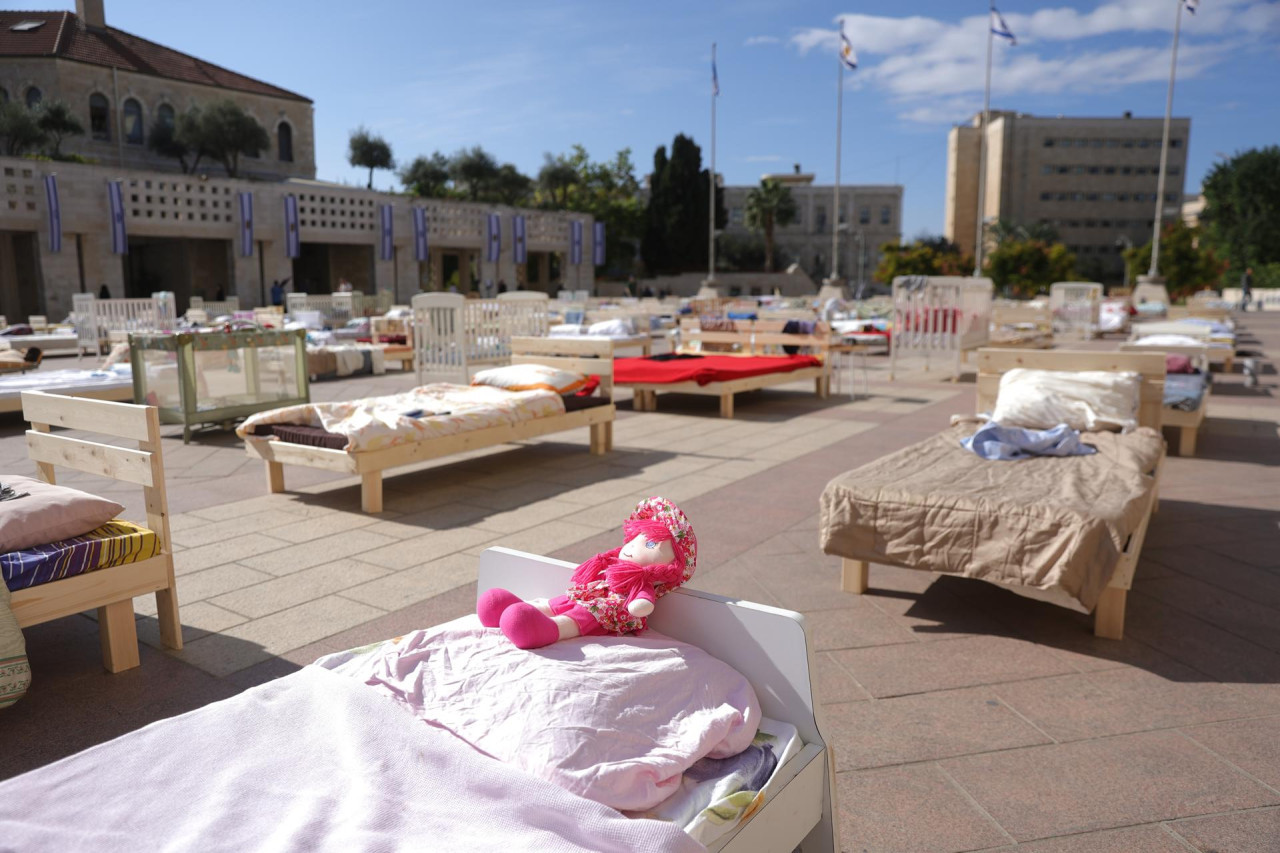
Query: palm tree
x=770, y=205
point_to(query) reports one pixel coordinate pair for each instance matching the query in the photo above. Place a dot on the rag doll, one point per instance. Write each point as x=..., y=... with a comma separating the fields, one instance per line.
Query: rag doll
x=611, y=593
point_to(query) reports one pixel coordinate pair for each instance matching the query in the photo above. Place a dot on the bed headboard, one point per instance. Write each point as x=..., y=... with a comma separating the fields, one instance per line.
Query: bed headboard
x=993, y=363
x=1199, y=355
x=578, y=355
x=758, y=337
x=767, y=645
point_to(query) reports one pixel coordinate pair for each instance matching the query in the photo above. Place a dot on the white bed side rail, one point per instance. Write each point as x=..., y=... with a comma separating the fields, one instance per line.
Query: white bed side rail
x=939, y=316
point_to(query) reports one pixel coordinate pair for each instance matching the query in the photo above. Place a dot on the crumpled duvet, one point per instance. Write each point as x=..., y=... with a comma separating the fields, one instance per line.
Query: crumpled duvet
x=1005, y=443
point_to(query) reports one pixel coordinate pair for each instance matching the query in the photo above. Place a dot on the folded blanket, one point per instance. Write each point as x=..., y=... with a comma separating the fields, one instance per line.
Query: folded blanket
x=996, y=441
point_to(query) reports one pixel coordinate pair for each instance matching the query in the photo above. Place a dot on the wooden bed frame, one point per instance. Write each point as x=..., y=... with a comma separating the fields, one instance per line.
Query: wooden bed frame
x=992, y=364
x=592, y=357
x=1219, y=355
x=771, y=648
x=1004, y=315
x=751, y=343
x=1187, y=423
x=110, y=590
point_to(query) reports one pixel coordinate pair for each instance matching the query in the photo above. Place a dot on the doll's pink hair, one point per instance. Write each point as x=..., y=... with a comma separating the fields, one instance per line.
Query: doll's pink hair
x=664, y=577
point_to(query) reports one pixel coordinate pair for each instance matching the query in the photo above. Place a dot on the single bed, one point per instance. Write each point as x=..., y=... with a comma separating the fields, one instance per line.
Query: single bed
x=1218, y=339
x=439, y=436
x=1064, y=530
x=112, y=383
x=1186, y=395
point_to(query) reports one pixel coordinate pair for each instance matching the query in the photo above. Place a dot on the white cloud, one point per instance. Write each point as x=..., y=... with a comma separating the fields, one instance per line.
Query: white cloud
x=762, y=158
x=755, y=41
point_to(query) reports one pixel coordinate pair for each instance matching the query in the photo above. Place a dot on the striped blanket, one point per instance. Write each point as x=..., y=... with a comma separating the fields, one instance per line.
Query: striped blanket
x=113, y=544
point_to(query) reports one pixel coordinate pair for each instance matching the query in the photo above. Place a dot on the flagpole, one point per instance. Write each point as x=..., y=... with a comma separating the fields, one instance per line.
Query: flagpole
x=711, y=216
x=835, y=207
x=982, y=148
x=1164, y=147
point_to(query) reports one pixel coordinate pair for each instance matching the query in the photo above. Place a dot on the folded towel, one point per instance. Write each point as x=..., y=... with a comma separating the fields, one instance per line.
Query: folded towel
x=994, y=441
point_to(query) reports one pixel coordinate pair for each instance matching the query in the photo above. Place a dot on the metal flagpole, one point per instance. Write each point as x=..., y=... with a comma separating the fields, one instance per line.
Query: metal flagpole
x=835, y=206
x=1164, y=146
x=711, y=227
x=982, y=148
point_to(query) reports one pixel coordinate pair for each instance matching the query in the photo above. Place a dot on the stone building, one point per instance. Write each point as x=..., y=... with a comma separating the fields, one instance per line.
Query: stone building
x=121, y=86
x=869, y=216
x=1093, y=179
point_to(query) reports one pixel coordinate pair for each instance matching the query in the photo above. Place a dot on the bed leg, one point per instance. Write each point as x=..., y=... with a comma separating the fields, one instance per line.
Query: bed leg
x=371, y=491
x=167, y=616
x=275, y=477
x=1108, y=618
x=608, y=436
x=119, y=635
x=854, y=575
x=1187, y=441
x=599, y=440
x=726, y=405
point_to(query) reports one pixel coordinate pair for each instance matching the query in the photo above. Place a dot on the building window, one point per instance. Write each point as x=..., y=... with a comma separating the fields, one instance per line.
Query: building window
x=1125, y=170
x=735, y=213
x=1108, y=196
x=1097, y=143
x=885, y=215
x=1170, y=196
x=284, y=139
x=1046, y=170
x=1174, y=170
x=132, y=122
x=1109, y=170
x=864, y=216
x=165, y=116
x=1123, y=197
x=1048, y=143
x=34, y=97
x=1064, y=170
x=99, y=121
x=1175, y=143
x=820, y=219
x=1046, y=196
x=1113, y=143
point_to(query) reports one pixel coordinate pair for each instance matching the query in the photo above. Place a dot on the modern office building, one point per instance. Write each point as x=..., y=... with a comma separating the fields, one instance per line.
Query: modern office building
x=870, y=215
x=1093, y=179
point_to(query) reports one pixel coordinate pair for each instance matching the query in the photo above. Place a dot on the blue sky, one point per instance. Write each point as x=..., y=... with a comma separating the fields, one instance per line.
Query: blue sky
x=525, y=78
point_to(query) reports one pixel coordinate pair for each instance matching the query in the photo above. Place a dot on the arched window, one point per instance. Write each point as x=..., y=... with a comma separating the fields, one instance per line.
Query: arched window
x=132, y=122
x=284, y=136
x=99, y=117
x=164, y=115
x=34, y=97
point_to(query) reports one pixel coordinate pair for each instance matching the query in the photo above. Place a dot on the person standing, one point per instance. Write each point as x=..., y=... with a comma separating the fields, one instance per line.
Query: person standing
x=104, y=292
x=1246, y=288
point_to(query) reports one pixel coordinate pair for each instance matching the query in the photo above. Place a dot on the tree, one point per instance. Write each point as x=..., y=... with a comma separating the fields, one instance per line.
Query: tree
x=556, y=177
x=510, y=186
x=926, y=256
x=679, y=209
x=475, y=170
x=19, y=128
x=165, y=142
x=770, y=205
x=224, y=132
x=1241, y=214
x=427, y=176
x=57, y=121
x=366, y=150
x=1024, y=267
x=1186, y=265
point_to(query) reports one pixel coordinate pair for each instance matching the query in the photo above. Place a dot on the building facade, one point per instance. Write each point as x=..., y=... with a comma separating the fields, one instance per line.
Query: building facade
x=121, y=87
x=1092, y=179
x=869, y=216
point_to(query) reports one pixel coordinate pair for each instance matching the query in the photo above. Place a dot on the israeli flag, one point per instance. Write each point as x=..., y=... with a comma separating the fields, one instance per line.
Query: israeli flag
x=597, y=244
x=387, y=243
x=575, y=242
x=1192, y=5
x=519, y=246
x=119, y=238
x=715, y=78
x=495, y=237
x=847, y=54
x=55, y=213
x=246, y=225
x=420, y=234
x=1000, y=28
x=292, y=239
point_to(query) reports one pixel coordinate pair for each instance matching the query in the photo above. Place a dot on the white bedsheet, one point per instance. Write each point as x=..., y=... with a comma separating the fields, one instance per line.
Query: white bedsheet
x=116, y=376
x=312, y=761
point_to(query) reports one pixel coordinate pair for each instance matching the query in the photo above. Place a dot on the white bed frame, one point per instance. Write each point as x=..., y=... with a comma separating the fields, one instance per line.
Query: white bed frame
x=591, y=357
x=1108, y=617
x=215, y=307
x=925, y=304
x=97, y=319
x=452, y=334
x=767, y=645
x=1075, y=306
x=1187, y=423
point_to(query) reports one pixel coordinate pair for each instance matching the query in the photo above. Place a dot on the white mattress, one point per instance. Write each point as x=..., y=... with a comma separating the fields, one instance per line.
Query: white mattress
x=64, y=381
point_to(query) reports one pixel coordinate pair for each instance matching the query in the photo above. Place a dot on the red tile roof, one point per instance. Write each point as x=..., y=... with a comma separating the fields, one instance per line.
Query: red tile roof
x=62, y=36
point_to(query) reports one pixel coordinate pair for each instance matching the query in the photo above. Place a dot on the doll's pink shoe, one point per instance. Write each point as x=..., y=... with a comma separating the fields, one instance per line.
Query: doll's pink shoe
x=491, y=603
x=527, y=627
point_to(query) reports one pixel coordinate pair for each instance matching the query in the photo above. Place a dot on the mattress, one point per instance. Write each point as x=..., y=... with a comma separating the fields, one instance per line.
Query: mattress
x=1051, y=528
x=705, y=369
x=113, y=544
x=1184, y=391
x=119, y=376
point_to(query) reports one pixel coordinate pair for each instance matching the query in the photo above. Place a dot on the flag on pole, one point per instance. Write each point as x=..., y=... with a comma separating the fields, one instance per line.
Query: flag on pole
x=715, y=78
x=292, y=239
x=246, y=224
x=119, y=239
x=597, y=244
x=55, y=213
x=1192, y=5
x=419, y=234
x=519, y=247
x=847, y=54
x=1000, y=28
x=387, y=238
x=495, y=237
x=575, y=242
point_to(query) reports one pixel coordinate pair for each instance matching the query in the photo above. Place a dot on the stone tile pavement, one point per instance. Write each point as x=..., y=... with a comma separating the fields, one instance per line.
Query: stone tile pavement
x=962, y=717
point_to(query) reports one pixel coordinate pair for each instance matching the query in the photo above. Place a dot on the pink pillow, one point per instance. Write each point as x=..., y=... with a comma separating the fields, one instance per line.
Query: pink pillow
x=49, y=513
x=1177, y=363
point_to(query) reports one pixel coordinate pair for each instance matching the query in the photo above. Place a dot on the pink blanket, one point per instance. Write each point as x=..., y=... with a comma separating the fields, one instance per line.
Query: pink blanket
x=311, y=762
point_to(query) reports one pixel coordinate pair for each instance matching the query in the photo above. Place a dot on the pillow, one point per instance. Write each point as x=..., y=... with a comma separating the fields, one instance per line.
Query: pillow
x=1176, y=363
x=1083, y=400
x=530, y=377
x=619, y=327
x=49, y=513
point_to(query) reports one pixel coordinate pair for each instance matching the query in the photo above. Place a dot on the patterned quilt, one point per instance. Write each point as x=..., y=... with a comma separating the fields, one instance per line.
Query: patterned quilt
x=113, y=544
x=429, y=411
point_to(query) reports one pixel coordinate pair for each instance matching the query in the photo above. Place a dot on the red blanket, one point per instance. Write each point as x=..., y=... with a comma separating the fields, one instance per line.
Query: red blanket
x=707, y=369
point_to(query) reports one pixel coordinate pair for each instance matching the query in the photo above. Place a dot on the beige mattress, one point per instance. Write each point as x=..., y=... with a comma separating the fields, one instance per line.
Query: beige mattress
x=1049, y=528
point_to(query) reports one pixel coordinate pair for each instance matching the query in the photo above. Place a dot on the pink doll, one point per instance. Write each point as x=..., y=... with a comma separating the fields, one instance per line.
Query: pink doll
x=611, y=593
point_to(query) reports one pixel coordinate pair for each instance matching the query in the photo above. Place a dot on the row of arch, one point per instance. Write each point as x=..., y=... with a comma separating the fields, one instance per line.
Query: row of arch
x=132, y=126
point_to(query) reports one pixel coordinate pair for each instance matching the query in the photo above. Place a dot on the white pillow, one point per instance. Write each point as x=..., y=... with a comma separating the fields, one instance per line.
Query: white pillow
x=1084, y=400
x=616, y=328
x=531, y=377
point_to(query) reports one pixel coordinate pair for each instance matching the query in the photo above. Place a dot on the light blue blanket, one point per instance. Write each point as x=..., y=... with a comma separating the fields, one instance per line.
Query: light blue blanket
x=994, y=441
